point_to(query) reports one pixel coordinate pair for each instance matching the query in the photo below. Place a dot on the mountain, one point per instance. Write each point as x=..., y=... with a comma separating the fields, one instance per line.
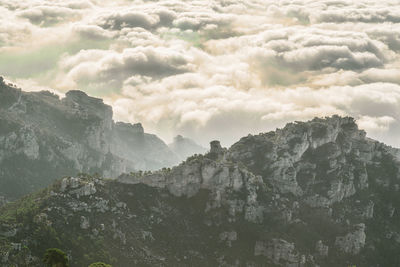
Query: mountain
x=185, y=147
x=316, y=193
x=43, y=137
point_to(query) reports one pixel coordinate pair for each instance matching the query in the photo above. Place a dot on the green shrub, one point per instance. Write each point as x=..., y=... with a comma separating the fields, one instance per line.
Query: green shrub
x=99, y=264
x=55, y=257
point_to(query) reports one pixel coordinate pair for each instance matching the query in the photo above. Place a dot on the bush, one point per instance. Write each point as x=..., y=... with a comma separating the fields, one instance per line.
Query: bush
x=55, y=257
x=99, y=264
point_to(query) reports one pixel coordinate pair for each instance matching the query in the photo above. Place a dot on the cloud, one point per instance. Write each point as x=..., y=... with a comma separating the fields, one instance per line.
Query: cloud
x=111, y=68
x=375, y=123
x=91, y=32
x=213, y=69
x=119, y=20
x=381, y=75
x=48, y=14
x=201, y=109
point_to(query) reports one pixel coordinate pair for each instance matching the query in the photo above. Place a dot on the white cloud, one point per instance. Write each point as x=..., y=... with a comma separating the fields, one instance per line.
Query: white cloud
x=47, y=14
x=130, y=19
x=213, y=69
x=375, y=123
x=99, y=66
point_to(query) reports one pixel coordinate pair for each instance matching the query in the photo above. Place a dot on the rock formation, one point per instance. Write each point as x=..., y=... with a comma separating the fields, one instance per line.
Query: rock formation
x=316, y=193
x=43, y=136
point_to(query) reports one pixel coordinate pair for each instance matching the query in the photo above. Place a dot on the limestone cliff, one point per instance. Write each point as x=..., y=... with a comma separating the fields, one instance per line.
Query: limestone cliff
x=316, y=193
x=43, y=136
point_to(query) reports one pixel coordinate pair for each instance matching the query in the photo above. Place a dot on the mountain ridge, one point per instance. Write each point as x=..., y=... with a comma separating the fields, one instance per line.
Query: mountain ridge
x=55, y=136
x=316, y=193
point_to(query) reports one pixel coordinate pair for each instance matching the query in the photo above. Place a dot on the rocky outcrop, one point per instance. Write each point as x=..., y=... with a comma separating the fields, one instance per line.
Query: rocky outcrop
x=317, y=193
x=278, y=251
x=321, y=249
x=3, y=201
x=305, y=170
x=56, y=136
x=285, y=157
x=221, y=178
x=354, y=241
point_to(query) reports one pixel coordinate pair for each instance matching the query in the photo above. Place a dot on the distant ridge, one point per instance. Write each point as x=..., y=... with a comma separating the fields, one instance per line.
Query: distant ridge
x=43, y=137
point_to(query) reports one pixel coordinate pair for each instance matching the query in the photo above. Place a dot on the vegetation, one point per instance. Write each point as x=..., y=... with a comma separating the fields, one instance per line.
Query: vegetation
x=23, y=209
x=55, y=257
x=99, y=264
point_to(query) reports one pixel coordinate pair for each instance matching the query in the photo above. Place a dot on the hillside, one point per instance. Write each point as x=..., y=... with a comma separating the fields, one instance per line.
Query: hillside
x=317, y=193
x=185, y=147
x=43, y=137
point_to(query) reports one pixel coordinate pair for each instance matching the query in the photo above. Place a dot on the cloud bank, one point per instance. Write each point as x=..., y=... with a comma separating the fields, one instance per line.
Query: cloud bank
x=213, y=69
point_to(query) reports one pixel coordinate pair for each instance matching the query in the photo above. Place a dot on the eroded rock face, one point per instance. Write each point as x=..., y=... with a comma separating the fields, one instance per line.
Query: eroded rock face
x=221, y=178
x=278, y=251
x=354, y=241
x=332, y=152
x=317, y=193
x=85, y=224
x=321, y=249
x=55, y=136
x=307, y=174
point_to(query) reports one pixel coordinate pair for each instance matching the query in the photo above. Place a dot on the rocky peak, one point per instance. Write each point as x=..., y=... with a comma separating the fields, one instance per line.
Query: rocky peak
x=80, y=96
x=179, y=138
x=8, y=95
x=185, y=147
x=314, y=193
x=216, y=150
x=66, y=136
x=319, y=131
x=136, y=128
x=88, y=106
x=215, y=147
x=285, y=156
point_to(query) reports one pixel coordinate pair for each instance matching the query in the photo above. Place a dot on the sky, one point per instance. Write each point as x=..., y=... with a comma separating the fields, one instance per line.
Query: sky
x=216, y=69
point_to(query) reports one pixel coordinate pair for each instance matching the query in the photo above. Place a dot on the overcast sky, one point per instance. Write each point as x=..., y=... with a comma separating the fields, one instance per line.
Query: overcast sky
x=216, y=69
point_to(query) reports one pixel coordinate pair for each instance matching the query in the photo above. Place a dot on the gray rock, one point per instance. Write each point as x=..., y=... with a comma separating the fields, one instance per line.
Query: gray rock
x=69, y=135
x=280, y=252
x=368, y=212
x=353, y=242
x=217, y=176
x=228, y=237
x=321, y=249
x=86, y=190
x=85, y=224
x=216, y=148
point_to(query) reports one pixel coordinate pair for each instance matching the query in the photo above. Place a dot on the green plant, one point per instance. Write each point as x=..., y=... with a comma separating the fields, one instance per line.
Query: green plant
x=99, y=264
x=55, y=257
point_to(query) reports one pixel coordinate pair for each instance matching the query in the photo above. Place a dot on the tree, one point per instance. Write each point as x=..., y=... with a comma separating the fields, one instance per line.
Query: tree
x=55, y=257
x=99, y=264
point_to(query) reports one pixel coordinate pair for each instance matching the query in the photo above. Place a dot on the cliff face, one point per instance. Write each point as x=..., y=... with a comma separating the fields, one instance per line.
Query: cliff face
x=315, y=193
x=43, y=137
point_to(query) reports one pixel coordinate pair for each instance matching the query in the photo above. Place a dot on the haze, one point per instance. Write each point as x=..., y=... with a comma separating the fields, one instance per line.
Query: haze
x=213, y=69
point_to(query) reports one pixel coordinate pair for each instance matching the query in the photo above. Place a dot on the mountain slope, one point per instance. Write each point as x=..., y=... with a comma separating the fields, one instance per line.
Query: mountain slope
x=185, y=147
x=315, y=193
x=43, y=137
